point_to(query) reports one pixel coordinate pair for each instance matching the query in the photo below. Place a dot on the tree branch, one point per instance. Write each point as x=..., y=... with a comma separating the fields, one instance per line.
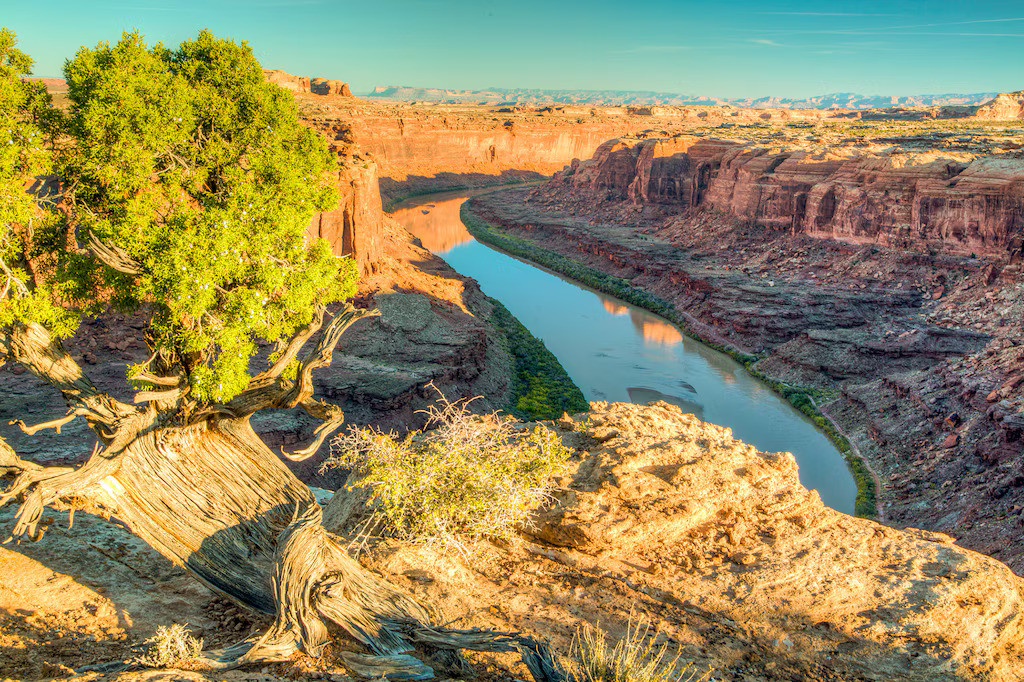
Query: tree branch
x=11, y=278
x=332, y=417
x=151, y=378
x=32, y=345
x=52, y=424
x=292, y=349
x=10, y=463
x=271, y=390
x=323, y=353
x=153, y=396
x=114, y=256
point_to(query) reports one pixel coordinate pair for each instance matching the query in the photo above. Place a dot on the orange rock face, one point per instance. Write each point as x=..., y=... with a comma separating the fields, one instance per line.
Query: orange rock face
x=888, y=200
x=324, y=86
x=299, y=84
x=286, y=80
x=355, y=227
x=1004, y=107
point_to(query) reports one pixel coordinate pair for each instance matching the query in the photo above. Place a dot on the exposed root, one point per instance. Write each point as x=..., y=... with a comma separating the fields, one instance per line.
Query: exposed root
x=316, y=581
x=56, y=424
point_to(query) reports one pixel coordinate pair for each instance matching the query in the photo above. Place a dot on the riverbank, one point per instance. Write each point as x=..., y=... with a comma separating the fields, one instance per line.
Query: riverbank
x=913, y=356
x=541, y=388
x=800, y=397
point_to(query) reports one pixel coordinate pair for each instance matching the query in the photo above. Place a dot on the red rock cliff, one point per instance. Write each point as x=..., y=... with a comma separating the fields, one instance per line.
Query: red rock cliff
x=355, y=227
x=300, y=84
x=916, y=202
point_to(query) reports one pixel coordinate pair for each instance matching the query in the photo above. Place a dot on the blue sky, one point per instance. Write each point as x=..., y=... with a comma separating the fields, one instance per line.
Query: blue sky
x=749, y=48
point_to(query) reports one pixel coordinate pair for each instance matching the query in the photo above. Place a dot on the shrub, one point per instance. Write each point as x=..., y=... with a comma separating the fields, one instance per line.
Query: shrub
x=542, y=388
x=171, y=644
x=465, y=476
x=634, y=658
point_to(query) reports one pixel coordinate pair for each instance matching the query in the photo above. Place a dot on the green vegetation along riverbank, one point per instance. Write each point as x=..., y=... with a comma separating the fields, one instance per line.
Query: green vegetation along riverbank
x=542, y=388
x=799, y=397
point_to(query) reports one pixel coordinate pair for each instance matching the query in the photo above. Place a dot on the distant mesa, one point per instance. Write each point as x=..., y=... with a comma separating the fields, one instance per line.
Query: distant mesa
x=316, y=86
x=324, y=86
x=1009, y=106
x=53, y=85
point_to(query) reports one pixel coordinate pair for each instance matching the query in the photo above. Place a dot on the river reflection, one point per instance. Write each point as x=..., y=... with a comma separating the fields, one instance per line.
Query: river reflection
x=617, y=352
x=436, y=224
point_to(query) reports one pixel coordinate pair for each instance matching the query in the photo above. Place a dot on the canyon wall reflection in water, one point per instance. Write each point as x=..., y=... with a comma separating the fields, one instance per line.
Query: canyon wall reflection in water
x=436, y=224
x=617, y=352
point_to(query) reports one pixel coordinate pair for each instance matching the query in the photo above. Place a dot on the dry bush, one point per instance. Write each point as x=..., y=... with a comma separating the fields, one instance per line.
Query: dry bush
x=465, y=476
x=170, y=645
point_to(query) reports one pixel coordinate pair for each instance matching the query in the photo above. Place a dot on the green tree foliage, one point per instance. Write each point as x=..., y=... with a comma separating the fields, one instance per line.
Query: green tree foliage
x=24, y=112
x=191, y=184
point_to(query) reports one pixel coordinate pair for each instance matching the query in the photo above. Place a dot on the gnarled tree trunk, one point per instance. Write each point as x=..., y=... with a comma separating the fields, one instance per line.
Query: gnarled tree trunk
x=210, y=496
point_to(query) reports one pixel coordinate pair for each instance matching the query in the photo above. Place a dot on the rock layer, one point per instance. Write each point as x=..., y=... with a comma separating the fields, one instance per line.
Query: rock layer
x=893, y=200
x=1007, y=106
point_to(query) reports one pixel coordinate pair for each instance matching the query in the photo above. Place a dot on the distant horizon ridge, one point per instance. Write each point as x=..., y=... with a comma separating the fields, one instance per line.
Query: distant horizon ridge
x=852, y=100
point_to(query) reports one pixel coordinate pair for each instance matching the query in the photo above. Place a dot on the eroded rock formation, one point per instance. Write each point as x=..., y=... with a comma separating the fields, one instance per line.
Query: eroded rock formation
x=670, y=520
x=355, y=228
x=300, y=84
x=325, y=86
x=1007, y=106
x=899, y=200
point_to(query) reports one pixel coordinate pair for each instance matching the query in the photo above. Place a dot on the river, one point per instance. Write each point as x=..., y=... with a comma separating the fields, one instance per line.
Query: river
x=617, y=352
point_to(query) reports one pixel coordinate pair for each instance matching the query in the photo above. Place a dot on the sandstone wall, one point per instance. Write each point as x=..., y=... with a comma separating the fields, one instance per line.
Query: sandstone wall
x=355, y=228
x=904, y=201
x=433, y=150
x=300, y=84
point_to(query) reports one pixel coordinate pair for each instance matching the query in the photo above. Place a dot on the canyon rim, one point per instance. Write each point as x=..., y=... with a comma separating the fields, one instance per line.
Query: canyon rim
x=861, y=257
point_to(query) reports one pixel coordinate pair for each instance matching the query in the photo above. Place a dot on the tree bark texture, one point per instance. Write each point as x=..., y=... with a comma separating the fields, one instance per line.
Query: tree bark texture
x=211, y=497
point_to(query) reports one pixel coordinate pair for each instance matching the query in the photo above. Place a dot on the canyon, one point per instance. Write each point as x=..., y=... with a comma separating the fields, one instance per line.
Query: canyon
x=887, y=284
x=876, y=266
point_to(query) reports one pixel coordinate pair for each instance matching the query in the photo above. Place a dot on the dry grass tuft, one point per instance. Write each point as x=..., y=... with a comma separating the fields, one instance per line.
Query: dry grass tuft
x=634, y=658
x=171, y=645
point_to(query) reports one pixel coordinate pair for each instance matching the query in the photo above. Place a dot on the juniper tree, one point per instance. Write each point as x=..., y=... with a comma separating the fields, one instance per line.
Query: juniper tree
x=187, y=185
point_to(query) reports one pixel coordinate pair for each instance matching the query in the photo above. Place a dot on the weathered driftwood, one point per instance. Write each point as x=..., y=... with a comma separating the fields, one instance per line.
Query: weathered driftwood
x=200, y=487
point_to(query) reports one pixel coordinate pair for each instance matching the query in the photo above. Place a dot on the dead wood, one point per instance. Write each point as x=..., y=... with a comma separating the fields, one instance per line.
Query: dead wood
x=210, y=496
x=114, y=256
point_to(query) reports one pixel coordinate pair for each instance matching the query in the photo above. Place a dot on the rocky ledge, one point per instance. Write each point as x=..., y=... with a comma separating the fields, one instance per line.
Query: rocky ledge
x=659, y=517
x=922, y=201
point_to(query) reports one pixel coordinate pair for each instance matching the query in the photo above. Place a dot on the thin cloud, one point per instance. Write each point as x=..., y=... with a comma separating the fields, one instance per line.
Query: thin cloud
x=894, y=30
x=830, y=14
x=659, y=48
x=765, y=41
x=841, y=32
